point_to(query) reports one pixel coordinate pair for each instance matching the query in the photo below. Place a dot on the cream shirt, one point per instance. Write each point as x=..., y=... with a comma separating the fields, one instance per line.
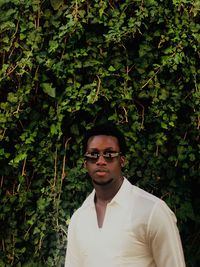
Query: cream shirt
x=139, y=230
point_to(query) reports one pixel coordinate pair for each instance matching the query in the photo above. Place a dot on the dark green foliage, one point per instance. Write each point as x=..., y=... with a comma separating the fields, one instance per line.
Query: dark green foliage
x=68, y=64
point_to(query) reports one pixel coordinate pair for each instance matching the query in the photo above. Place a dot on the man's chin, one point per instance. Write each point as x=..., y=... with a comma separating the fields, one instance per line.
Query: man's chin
x=102, y=183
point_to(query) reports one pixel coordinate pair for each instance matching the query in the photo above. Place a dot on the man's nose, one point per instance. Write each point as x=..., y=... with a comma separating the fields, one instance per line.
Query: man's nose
x=101, y=160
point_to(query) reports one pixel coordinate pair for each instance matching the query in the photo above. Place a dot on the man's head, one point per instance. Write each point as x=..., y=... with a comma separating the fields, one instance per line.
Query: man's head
x=104, y=150
x=106, y=129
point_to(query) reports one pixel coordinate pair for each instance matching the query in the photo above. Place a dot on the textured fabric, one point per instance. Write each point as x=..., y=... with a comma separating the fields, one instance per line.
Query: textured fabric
x=139, y=230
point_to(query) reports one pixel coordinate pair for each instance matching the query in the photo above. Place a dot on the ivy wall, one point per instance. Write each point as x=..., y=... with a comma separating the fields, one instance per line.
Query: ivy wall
x=65, y=65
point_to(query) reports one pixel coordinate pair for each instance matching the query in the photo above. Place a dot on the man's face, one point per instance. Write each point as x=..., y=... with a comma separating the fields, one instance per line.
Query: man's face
x=102, y=170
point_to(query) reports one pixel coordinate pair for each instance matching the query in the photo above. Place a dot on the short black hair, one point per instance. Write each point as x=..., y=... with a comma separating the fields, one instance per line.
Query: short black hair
x=109, y=129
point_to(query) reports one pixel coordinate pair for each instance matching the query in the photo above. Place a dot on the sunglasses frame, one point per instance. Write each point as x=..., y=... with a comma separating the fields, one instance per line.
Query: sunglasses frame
x=107, y=155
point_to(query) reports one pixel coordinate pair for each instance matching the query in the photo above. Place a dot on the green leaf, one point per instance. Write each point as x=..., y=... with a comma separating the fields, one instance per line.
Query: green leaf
x=49, y=89
x=111, y=68
x=56, y=4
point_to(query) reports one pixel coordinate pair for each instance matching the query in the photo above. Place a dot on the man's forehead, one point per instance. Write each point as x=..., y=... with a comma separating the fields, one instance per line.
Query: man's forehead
x=103, y=139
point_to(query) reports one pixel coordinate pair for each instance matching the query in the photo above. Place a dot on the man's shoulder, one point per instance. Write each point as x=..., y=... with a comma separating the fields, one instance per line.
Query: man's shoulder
x=145, y=194
x=143, y=197
x=144, y=204
x=87, y=204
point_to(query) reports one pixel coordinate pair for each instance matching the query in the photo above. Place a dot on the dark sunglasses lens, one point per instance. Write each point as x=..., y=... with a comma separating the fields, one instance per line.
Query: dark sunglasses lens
x=108, y=156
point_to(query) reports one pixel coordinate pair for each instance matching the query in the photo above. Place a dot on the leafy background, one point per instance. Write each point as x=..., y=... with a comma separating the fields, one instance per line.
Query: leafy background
x=65, y=65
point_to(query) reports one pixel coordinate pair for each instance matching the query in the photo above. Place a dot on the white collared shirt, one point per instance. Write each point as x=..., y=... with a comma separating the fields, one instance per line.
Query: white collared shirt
x=139, y=230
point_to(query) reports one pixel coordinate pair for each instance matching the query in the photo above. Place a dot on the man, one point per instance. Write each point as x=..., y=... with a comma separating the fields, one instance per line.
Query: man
x=119, y=224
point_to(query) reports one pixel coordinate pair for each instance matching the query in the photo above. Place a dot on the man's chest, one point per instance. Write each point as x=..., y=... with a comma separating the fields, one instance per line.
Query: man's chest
x=121, y=235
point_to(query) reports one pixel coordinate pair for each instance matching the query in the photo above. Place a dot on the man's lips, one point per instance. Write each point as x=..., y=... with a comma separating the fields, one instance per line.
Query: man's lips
x=101, y=172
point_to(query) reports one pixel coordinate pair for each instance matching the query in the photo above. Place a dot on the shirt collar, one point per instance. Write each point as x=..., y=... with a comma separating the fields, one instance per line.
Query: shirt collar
x=120, y=198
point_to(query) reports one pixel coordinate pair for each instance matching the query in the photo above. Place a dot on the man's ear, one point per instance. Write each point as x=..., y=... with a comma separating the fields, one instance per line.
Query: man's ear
x=84, y=164
x=122, y=161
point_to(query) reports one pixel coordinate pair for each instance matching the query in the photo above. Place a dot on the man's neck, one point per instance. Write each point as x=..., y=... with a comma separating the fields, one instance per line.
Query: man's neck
x=105, y=193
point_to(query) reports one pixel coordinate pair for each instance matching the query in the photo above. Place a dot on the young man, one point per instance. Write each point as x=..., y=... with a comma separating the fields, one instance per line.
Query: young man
x=119, y=224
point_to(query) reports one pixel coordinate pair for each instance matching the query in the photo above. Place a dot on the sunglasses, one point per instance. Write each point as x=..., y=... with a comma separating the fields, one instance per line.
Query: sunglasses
x=107, y=155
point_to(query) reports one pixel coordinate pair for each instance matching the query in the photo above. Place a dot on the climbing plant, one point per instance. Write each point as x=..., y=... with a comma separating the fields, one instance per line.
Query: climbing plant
x=66, y=65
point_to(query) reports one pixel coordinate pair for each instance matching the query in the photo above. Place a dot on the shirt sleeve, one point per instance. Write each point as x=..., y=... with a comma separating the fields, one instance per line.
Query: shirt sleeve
x=72, y=258
x=164, y=237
